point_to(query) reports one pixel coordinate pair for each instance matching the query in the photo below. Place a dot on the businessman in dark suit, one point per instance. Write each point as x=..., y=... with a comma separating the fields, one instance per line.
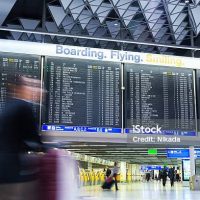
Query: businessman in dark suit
x=18, y=134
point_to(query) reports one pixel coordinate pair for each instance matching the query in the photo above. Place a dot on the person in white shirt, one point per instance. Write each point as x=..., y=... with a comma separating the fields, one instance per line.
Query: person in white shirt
x=115, y=171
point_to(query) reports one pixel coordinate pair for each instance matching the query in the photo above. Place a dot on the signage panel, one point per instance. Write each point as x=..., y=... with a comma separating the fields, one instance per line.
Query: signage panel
x=97, y=54
x=11, y=64
x=186, y=170
x=83, y=94
x=159, y=100
x=178, y=153
x=151, y=167
x=61, y=128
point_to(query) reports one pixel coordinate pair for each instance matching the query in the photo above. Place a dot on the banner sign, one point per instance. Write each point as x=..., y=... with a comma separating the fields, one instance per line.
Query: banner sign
x=97, y=54
x=178, y=153
x=151, y=167
x=61, y=128
x=182, y=153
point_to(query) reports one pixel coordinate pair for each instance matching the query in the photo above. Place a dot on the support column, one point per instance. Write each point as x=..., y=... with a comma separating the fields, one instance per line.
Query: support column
x=192, y=161
x=89, y=166
x=123, y=171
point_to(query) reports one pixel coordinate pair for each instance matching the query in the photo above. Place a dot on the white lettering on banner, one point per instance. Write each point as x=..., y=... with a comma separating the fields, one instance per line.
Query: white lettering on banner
x=85, y=52
x=143, y=140
x=123, y=56
x=33, y=48
x=142, y=129
x=158, y=139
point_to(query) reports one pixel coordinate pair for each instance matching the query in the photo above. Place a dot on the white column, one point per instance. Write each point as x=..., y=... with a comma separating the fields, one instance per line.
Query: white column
x=90, y=166
x=123, y=171
x=192, y=161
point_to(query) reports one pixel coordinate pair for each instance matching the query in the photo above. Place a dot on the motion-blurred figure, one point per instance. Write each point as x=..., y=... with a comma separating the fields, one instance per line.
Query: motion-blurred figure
x=177, y=177
x=164, y=176
x=58, y=176
x=159, y=175
x=156, y=177
x=115, y=172
x=18, y=135
x=148, y=176
x=171, y=175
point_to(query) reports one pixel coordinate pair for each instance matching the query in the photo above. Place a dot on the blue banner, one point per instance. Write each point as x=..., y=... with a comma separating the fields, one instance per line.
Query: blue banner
x=79, y=129
x=178, y=153
x=151, y=167
x=197, y=153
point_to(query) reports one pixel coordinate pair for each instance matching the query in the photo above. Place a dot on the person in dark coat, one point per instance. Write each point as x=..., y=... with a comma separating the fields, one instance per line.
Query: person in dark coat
x=108, y=172
x=164, y=176
x=148, y=176
x=18, y=134
x=171, y=175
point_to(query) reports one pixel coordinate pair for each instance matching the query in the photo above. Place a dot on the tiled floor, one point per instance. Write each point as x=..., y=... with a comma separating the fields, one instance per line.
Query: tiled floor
x=140, y=191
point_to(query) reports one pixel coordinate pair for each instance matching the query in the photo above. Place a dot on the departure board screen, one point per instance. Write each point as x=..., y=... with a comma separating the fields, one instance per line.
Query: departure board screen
x=17, y=63
x=198, y=97
x=159, y=97
x=83, y=93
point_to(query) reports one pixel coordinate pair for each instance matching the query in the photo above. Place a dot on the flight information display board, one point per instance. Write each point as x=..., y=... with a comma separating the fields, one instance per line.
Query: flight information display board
x=82, y=94
x=198, y=97
x=159, y=100
x=17, y=63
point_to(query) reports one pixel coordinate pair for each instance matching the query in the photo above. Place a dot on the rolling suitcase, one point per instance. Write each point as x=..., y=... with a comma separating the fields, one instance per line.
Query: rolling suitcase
x=108, y=183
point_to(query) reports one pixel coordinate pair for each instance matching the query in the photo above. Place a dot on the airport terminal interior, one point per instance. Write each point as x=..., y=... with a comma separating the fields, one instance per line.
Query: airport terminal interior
x=113, y=89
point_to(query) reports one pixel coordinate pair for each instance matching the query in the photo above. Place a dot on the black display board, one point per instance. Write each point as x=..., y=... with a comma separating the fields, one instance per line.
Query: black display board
x=11, y=63
x=159, y=96
x=198, y=97
x=83, y=93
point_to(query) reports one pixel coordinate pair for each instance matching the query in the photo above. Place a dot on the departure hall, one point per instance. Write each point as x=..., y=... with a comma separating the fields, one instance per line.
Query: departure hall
x=99, y=99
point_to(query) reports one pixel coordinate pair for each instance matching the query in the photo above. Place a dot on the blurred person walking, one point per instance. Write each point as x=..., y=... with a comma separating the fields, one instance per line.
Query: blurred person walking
x=164, y=176
x=19, y=134
x=115, y=172
x=171, y=175
x=148, y=176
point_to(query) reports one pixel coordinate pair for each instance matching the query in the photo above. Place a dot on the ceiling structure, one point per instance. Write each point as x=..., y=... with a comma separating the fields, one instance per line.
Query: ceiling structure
x=122, y=152
x=170, y=22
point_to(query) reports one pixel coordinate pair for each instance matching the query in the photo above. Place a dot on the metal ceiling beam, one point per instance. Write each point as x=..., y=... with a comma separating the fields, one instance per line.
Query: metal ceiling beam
x=100, y=39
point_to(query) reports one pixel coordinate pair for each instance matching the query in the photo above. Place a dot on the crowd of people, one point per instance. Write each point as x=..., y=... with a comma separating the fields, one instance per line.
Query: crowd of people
x=164, y=174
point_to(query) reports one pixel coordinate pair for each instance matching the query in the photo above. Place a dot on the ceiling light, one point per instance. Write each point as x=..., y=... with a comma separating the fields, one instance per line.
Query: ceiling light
x=98, y=145
x=78, y=145
x=73, y=149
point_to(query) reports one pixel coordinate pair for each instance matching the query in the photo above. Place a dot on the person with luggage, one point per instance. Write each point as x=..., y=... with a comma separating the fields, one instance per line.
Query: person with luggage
x=108, y=180
x=111, y=178
x=115, y=172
